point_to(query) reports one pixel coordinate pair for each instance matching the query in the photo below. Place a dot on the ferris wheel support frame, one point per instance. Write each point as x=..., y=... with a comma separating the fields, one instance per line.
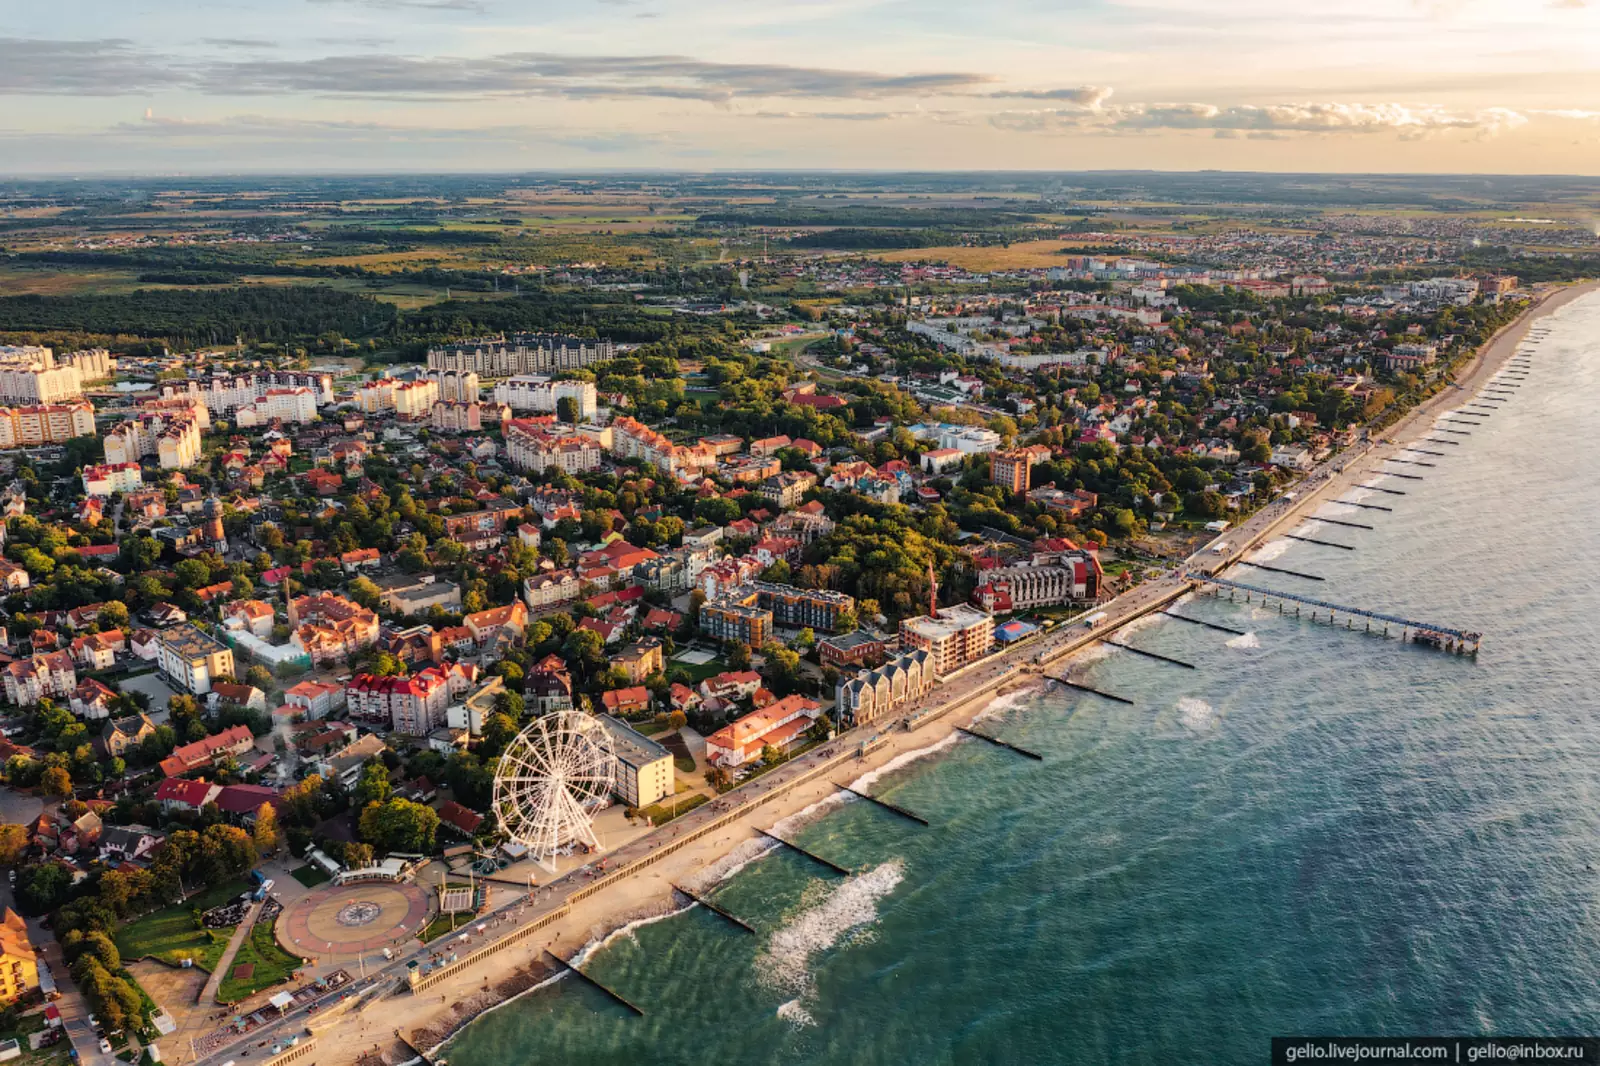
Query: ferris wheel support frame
x=549, y=776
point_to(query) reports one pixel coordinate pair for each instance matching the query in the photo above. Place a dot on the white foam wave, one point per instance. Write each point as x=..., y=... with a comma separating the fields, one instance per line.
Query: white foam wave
x=811, y=812
x=1008, y=701
x=1308, y=527
x=727, y=866
x=795, y=1014
x=1335, y=509
x=1268, y=552
x=851, y=906
x=871, y=777
x=1248, y=640
x=1154, y=618
x=1197, y=714
x=626, y=930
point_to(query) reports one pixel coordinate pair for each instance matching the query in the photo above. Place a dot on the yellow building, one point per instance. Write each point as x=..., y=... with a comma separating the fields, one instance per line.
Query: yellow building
x=19, y=963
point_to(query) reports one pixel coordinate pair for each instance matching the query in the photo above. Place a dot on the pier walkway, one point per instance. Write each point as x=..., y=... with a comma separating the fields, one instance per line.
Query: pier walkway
x=1461, y=641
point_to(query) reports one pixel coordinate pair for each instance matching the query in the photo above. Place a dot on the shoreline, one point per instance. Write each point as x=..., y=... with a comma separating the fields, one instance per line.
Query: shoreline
x=643, y=891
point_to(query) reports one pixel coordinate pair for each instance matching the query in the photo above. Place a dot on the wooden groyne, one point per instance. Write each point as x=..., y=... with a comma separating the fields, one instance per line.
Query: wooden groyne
x=1092, y=691
x=813, y=856
x=1380, y=488
x=1410, y=462
x=1452, y=443
x=1150, y=654
x=714, y=909
x=1342, y=522
x=895, y=807
x=1365, y=506
x=1281, y=570
x=1323, y=543
x=1424, y=451
x=1402, y=477
x=590, y=980
x=1002, y=743
x=1218, y=626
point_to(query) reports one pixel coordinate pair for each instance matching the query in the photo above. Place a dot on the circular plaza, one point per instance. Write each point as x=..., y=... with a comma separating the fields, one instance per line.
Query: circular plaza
x=354, y=919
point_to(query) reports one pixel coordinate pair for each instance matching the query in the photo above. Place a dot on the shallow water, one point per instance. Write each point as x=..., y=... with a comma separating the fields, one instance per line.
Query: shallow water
x=1315, y=831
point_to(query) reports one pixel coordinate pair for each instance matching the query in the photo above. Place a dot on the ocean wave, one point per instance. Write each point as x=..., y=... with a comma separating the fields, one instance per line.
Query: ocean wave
x=1197, y=714
x=726, y=867
x=1268, y=552
x=1247, y=640
x=1009, y=701
x=811, y=812
x=850, y=906
x=600, y=943
x=1308, y=527
x=1336, y=509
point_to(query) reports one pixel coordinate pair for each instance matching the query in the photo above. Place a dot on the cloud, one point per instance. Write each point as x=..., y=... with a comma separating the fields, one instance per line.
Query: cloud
x=415, y=5
x=1083, y=95
x=1270, y=120
x=106, y=66
x=573, y=76
x=238, y=42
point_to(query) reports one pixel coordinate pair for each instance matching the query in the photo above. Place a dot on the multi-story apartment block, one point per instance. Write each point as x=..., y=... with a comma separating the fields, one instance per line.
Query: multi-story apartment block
x=327, y=626
x=731, y=618
x=108, y=479
x=788, y=488
x=522, y=353
x=536, y=393
x=550, y=589
x=30, y=375
x=26, y=427
x=297, y=404
x=955, y=637
x=191, y=660
x=534, y=450
x=1011, y=469
x=225, y=394
x=411, y=400
x=49, y=674
x=414, y=705
x=871, y=694
x=798, y=608
x=464, y=416
x=19, y=962
x=641, y=768
x=170, y=433
x=456, y=386
x=93, y=364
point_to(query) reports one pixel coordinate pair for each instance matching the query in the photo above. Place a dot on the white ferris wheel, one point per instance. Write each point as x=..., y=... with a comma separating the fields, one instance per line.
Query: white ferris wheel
x=551, y=779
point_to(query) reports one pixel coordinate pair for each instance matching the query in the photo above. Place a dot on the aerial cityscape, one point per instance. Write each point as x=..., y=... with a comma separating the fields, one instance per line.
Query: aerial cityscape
x=724, y=548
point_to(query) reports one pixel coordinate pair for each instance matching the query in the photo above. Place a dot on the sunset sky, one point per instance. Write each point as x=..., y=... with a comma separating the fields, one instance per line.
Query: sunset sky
x=153, y=86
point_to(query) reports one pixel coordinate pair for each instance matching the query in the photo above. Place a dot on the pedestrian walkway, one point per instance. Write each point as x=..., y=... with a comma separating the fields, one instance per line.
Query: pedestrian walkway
x=208, y=994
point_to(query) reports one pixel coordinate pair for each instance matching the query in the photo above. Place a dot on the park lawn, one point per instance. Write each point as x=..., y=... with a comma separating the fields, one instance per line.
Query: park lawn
x=663, y=812
x=443, y=926
x=310, y=876
x=699, y=673
x=272, y=965
x=169, y=935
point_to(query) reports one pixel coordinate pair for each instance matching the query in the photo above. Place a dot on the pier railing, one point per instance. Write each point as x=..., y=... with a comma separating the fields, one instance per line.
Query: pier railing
x=1448, y=637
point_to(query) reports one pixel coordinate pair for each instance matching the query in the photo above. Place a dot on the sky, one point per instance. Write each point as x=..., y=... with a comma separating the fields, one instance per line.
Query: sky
x=232, y=86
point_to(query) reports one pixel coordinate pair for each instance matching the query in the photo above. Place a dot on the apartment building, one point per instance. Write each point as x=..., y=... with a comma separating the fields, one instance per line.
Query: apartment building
x=19, y=962
x=27, y=427
x=1011, y=469
x=872, y=694
x=521, y=353
x=107, y=479
x=226, y=393
x=550, y=589
x=467, y=416
x=29, y=680
x=799, y=608
x=171, y=434
x=642, y=772
x=191, y=660
x=30, y=375
x=298, y=404
x=536, y=451
x=410, y=400
x=956, y=637
x=456, y=386
x=730, y=618
x=787, y=489
x=536, y=393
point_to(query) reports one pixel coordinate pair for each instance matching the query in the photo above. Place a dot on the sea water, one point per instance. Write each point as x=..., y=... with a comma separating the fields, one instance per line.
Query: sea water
x=1315, y=831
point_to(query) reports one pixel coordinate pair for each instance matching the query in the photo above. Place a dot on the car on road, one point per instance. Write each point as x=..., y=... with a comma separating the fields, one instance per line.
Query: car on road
x=105, y=1047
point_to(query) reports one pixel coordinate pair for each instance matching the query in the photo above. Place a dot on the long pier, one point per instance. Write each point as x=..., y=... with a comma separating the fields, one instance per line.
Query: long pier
x=1218, y=626
x=829, y=863
x=1324, y=543
x=585, y=977
x=1092, y=691
x=714, y=909
x=895, y=807
x=1149, y=654
x=1278, y=570
x=1446, y=637
x=1002, y=743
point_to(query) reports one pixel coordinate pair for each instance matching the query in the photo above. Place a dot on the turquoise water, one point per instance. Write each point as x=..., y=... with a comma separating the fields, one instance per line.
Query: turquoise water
x=1313, y=831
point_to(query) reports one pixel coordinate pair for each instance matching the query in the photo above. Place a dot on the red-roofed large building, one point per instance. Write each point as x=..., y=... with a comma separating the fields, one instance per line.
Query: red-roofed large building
x=49, y=674
x=233, y=741
x=486, y=625
x=781, y=725
x=179, y=794
x=412, y=705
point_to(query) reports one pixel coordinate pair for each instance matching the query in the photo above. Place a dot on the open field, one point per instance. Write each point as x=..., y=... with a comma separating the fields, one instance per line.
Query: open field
x=1022, y=255
x=170, y=935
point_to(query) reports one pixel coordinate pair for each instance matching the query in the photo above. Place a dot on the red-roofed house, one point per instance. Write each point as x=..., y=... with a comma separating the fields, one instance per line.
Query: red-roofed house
x=179, y=794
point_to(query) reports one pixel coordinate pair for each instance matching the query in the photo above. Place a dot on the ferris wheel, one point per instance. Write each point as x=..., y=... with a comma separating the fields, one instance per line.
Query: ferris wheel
x=551, y=779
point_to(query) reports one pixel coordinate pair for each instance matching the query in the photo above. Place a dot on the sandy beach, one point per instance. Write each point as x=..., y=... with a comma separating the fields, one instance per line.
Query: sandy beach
x=428, y=1018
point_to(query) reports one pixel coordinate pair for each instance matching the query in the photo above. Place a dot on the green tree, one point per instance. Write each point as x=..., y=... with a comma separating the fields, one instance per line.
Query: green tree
x=399, y=825
x=226, y=852
x=56, y=782
x=372, y=787
x=13, y=842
